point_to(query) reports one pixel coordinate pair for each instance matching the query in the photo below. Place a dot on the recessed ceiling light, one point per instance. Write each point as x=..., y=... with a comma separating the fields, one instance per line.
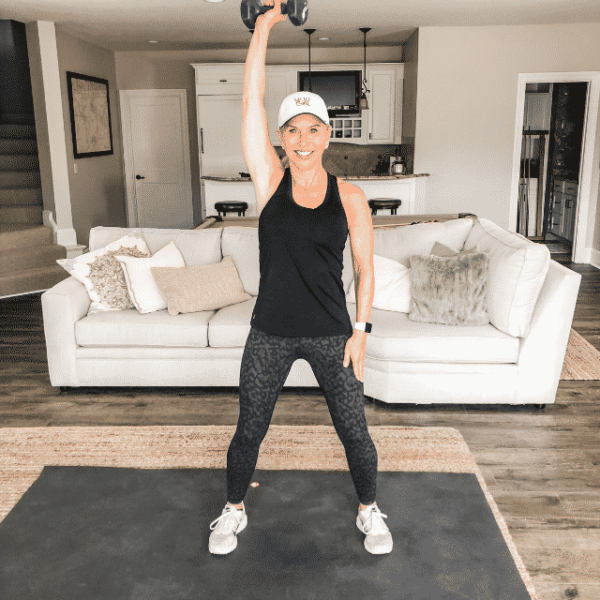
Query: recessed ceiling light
x=153, y=41
x=323, y=39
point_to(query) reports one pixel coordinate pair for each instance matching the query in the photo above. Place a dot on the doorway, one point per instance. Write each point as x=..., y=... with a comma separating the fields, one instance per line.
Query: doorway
x=555, y=136
x=156, y=154
x=551, y=148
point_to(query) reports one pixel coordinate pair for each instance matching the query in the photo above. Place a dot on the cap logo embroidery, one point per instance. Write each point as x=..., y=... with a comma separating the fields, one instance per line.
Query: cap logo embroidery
x=302, y=101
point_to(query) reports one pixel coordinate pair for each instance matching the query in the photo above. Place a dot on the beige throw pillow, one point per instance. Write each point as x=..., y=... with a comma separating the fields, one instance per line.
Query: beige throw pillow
x=450, y=290
x=200, y=287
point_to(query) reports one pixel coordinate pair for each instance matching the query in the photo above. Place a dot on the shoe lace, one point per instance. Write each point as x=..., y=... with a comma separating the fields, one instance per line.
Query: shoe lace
x=375, y=524
x=226, y=523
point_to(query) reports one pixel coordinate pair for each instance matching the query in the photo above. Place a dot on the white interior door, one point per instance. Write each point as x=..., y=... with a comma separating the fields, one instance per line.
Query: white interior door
x=157, y=158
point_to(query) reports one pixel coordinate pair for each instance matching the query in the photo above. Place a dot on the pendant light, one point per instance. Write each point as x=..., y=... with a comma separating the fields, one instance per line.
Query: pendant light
x=364, y=105
x=310, y=32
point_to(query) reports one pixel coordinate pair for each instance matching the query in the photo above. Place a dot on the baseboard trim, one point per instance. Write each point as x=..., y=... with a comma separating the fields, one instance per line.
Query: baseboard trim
x=594, y=258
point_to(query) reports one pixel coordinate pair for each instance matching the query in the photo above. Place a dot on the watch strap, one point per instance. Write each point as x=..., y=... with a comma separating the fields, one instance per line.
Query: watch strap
x=363, y=326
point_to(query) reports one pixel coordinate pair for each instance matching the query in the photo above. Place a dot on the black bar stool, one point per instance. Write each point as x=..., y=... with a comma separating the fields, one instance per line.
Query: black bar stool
x=232, y=206
x=383, y=203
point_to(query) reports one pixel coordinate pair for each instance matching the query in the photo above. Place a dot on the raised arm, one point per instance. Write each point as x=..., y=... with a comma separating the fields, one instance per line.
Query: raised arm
x=263, y=163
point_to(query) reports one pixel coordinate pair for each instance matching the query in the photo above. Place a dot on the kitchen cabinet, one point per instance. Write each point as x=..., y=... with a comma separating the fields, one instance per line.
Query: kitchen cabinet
x=564, y=204
x=380, y=124
x=385, y=106
x=537, y=112
x=279, y=83
x=219, y=79
x=220, y=134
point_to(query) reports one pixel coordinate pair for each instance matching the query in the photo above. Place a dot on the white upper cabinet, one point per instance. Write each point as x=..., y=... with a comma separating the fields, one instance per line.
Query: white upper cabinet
x=217, y=79
x=381, y=124
x=280, y=82
x=537, y=111
x=385, y=104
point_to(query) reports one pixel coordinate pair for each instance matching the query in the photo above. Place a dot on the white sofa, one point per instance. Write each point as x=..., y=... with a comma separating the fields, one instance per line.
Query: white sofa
x=405, y=361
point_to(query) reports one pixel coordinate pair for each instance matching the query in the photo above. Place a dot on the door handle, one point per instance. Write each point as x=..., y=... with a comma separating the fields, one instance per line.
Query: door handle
x=201, y=140
x=139, y=177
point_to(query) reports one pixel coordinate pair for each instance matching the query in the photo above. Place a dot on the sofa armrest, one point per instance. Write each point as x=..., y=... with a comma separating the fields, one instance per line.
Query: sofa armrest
x=542, y=352
x=62, y=306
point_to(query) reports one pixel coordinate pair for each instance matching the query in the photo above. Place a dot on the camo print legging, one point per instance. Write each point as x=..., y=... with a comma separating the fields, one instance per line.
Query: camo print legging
x=266, y=363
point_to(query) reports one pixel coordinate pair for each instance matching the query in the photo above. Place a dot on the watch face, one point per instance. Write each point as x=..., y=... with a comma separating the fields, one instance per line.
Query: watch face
x=368, y=327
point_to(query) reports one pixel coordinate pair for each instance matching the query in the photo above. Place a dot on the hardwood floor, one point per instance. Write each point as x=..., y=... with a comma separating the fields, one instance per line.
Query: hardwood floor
x=541, y=466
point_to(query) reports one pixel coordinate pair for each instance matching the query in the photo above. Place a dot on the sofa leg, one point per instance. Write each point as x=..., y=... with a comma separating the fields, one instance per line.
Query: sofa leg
x=64, y=388
x=541, y=406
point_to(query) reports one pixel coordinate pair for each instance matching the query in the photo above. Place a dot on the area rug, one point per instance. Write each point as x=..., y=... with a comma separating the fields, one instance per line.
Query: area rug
x=582, y=360
x=124, y=512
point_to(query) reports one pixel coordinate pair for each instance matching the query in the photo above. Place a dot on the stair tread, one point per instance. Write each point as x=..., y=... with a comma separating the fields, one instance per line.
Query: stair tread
x=34, y=271
x=6, y=227
x=25, y=249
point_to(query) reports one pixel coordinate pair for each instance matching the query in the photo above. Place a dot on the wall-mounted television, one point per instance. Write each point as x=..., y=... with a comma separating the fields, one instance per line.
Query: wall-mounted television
x=339, y=89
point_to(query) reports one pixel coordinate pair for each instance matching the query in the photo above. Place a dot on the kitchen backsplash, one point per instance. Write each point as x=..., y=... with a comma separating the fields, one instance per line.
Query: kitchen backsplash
x=343, y=159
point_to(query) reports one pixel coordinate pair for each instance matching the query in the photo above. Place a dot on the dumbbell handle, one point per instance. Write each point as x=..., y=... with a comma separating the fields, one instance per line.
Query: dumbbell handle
x=263, y=9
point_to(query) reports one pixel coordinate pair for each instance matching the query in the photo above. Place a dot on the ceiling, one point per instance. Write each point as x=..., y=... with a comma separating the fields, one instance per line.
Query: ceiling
x=125, y=25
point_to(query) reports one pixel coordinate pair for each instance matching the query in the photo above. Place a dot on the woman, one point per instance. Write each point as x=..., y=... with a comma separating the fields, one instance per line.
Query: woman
x=300, y=312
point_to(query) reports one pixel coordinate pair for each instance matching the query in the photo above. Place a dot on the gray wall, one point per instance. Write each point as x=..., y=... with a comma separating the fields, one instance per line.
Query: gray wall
x=97, y=190
x=409, y=103
x=466, y=108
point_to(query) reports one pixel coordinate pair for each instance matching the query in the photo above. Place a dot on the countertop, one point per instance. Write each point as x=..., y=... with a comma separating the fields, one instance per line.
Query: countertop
x=348, y=178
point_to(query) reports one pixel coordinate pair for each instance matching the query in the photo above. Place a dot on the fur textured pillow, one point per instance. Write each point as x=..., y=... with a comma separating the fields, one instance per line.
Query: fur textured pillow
x=449, y=290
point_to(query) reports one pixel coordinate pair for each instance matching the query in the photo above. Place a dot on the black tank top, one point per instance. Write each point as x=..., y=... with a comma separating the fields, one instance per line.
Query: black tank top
x=301, y=260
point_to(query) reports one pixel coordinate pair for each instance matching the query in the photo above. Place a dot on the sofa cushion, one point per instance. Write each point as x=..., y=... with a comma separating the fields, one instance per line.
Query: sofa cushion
x=230, y=326
x=395, y=337
x=198, y=247
x=398, y=244
x=241, y=243
x=517, y=271
x=131, y=328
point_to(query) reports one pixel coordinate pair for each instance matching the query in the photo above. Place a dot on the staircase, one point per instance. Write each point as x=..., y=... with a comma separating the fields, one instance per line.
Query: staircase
x=28, y=253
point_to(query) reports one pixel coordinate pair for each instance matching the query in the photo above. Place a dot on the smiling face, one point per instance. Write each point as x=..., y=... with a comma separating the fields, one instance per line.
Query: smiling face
x=304, y=139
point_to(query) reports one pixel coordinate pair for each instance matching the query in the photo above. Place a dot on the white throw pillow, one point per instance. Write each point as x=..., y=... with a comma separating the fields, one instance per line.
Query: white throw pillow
x=143, y=290
x=392, y=286
x=517, y=271
x=102, y=275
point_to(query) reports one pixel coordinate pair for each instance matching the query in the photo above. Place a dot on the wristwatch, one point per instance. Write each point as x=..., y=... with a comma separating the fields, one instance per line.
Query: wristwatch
x=366, y=327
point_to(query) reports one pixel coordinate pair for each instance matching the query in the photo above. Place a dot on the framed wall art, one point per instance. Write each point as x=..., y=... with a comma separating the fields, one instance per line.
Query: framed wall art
x=90, y=115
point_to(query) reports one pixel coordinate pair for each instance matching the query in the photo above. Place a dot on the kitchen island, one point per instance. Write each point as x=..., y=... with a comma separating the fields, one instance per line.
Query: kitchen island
x=409, y=188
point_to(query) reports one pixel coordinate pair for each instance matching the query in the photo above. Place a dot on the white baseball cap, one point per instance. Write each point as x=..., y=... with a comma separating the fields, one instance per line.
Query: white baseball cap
x=300, y=103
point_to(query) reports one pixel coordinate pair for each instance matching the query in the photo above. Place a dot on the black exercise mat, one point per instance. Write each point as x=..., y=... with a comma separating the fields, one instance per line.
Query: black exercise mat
x=109, y=533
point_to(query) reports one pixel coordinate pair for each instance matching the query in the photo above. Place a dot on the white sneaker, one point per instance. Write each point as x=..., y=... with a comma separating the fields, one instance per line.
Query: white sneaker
x=370, y=521
x=225, y=528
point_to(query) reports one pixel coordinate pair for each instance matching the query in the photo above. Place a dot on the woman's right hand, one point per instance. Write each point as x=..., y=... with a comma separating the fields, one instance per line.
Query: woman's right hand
x=271, y=16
